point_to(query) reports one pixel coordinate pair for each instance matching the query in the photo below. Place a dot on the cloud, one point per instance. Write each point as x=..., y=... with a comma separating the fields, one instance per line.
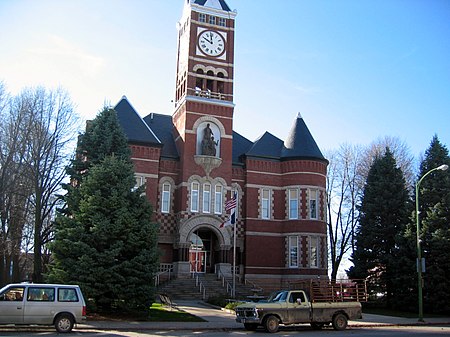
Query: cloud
x=65, y=55
x=307, y=90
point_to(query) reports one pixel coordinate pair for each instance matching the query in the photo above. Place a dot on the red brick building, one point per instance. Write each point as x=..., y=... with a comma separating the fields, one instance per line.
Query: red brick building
x=192, y=162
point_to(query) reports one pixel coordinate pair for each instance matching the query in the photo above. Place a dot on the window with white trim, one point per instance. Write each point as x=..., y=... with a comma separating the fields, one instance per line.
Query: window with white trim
x=293, y=204
x=165, y=198
x=313, y=204
x=293, y=251
x=202, y=17
x=314, y=252
x=206, y=198
x=195, y=187
x=222, y=22
x=265, y=203
x=218, y=199
x=212, y=20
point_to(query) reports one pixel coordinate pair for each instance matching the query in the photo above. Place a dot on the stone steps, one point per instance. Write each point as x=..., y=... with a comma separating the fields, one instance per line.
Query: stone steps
x=186, y=289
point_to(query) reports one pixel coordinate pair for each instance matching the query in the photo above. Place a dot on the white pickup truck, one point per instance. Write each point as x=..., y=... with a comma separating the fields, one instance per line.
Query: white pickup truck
x=293, y=307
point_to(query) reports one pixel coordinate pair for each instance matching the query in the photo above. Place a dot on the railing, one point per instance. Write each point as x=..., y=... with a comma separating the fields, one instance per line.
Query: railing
x=199, y=284
x=225, y=282
x=164, y=274
x=209, y=94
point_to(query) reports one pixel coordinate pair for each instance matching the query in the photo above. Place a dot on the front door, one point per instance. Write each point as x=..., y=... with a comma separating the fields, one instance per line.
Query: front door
x=197, y=260
x=201, y=254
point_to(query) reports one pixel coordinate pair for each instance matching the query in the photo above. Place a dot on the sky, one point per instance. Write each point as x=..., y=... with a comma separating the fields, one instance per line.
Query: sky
x=356, y=70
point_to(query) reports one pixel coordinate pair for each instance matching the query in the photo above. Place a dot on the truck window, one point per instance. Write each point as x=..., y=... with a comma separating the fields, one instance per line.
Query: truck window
x=280, y=297
x=67, y=295
x=295, y=296
x=41, y=294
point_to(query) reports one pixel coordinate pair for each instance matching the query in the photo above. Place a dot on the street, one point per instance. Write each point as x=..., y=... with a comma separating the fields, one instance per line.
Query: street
x=429, y=331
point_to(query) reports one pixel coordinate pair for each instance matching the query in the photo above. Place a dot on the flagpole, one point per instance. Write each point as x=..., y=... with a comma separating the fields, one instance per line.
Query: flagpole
x=234, y=258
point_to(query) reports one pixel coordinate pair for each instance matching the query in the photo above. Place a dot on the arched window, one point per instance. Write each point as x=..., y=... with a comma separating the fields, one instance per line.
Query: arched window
x=165, y=198
x=218, y=194
x=206, y=198
x=195, y=189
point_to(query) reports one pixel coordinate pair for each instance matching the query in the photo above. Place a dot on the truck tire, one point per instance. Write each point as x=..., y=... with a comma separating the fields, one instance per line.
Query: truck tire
x=250, y=326
x=271, y=324
x=64, y=323
x=339, y=321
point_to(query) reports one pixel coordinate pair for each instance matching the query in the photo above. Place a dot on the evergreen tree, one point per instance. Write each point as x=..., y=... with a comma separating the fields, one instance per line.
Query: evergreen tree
x=104, y=239
x=434, y=202
x=384, y=211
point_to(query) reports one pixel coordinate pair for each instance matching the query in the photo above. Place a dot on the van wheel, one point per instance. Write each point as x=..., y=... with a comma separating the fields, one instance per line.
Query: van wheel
x=64, y=323
x=340, y=322
x=271, y=324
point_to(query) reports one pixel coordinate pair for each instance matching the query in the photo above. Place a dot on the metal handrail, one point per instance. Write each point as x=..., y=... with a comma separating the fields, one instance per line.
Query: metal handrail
x=199, y=283
x=157, y=278
x=229, y=287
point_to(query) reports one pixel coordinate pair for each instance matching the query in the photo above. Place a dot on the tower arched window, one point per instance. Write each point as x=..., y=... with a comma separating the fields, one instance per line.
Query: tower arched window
x=199, y=82
x=210, y=81
x=220, y=83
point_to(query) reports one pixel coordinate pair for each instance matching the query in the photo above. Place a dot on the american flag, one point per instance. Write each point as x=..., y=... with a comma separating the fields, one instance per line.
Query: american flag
x=230, y=204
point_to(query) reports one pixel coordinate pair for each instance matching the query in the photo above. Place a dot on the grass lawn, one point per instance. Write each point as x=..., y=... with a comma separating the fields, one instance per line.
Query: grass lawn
x=157, y=313
x=161, y=313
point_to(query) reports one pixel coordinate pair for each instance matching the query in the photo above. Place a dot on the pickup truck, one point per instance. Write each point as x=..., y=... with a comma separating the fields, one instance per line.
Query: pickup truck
x=293, y=307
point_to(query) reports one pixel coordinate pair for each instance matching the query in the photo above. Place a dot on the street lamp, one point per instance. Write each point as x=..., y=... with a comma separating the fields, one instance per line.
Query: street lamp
x=419, y=251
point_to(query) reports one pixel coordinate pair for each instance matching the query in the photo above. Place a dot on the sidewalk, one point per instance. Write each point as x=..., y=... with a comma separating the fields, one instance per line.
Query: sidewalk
x=217, y=319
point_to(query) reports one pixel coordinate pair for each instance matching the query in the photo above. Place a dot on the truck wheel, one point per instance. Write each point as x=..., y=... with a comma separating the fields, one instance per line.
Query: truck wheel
x=339, y=321
x=64, y=323
x=250, y=326
x=271, y=324
x=317, y=326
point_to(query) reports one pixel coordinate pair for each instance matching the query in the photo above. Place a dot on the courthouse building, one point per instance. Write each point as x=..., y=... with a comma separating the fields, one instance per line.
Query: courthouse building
x=192, y=163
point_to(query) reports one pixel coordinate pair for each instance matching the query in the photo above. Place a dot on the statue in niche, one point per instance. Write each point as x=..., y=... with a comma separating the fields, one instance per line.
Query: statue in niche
x=208, y=142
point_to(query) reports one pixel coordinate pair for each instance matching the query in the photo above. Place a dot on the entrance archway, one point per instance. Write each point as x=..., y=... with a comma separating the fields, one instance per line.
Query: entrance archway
x=202, y=251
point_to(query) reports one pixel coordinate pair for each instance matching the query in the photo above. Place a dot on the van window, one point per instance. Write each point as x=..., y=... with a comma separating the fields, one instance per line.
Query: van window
x=41, y=294
x=67, y=295
x=13, y=294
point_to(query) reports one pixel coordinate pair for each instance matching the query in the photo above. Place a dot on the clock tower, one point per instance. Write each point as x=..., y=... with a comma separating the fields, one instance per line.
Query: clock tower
x=203, y=116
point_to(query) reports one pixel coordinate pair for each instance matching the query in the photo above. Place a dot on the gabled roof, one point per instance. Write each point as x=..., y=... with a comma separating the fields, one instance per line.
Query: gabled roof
x=136, y=130
x=162, y=126
x=267, y=146
x=300, y=144
x=216, y=4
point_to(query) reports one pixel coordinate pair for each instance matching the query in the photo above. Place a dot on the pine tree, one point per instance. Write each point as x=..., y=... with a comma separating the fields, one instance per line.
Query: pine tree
x=105, y=240
x=384, y=212
x=434, y=197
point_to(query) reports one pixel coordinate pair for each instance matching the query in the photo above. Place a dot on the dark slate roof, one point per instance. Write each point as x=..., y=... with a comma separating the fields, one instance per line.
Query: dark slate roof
x=300, y=144
x=240, y=147
x=162, y=126
x=213, y=3
x=267, y=146
x=136, y=130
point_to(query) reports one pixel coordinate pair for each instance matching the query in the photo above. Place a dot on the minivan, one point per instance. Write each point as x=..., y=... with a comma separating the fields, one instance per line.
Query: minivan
x=42, y=304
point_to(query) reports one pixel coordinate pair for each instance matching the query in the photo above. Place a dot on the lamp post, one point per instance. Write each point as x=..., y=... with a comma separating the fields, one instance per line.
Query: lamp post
x=419, y=251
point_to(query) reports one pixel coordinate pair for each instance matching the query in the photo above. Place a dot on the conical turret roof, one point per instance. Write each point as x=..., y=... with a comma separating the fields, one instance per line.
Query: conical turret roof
x=300, y=144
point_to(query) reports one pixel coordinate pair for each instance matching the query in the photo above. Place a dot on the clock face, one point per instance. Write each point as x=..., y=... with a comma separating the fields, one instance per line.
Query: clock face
x=211, y=43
